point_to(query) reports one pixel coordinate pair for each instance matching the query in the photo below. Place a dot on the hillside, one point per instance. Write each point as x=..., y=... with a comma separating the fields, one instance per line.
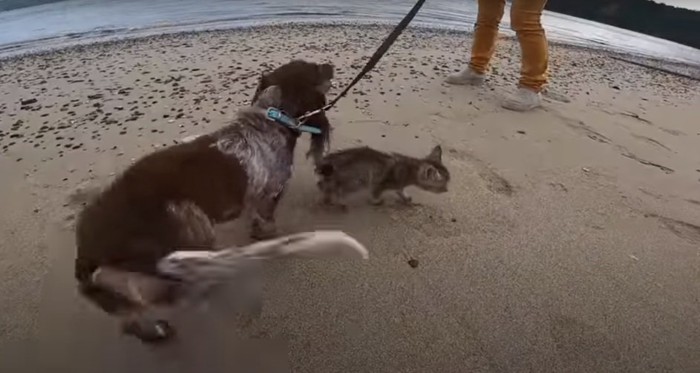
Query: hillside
x=17, y=4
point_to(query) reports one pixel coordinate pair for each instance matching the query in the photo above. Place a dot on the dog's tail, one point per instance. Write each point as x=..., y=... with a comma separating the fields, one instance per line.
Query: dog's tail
x=216, y=266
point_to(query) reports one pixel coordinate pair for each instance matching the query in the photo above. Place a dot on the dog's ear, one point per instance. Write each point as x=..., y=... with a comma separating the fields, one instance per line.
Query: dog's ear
x=324, y=78
x=269, y=97
x=325, y=71
x=263, y=82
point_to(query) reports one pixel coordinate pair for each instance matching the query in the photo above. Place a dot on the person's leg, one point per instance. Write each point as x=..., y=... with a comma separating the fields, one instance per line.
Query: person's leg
x=525, y=18
x=485, y=34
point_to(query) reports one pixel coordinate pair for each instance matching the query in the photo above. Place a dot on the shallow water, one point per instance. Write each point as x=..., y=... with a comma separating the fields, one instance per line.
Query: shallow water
x=65, y=22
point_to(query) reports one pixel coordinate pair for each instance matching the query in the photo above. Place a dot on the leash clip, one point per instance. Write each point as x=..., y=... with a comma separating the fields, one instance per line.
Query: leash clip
x=303, y=118
x=279, y=116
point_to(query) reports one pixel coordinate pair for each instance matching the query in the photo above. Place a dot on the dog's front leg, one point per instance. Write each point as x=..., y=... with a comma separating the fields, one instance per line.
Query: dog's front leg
x=263, y=219
x=317, y=148
x=319, y=142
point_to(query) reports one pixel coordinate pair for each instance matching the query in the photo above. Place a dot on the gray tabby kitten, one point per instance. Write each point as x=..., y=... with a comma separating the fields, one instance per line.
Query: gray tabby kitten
x=350, y=170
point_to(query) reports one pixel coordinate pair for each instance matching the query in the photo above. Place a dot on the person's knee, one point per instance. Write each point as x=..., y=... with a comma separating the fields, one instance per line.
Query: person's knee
x=522, y=20
x=489, y=16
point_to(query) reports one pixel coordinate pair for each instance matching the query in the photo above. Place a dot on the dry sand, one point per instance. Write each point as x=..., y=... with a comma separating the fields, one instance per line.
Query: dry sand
x=569, y=241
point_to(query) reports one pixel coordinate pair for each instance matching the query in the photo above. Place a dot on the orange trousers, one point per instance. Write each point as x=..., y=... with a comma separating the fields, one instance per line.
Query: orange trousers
x=525, y=21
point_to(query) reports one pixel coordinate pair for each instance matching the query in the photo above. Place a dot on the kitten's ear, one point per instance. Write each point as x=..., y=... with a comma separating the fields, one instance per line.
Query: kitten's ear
x=435, y=154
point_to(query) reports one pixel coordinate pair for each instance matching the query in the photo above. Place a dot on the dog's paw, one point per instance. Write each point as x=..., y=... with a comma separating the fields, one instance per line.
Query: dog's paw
x=376, y=201
x=149, y=331
x=262, y=231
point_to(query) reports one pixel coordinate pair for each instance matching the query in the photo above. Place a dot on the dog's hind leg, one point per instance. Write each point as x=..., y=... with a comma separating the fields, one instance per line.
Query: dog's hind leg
x=140, y=289
x=143, y=292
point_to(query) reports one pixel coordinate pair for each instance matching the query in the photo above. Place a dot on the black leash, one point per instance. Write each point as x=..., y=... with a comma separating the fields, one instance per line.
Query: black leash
x=388, y=42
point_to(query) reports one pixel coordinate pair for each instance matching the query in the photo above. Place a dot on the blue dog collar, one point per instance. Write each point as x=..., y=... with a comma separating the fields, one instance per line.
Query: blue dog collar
x=289, y=122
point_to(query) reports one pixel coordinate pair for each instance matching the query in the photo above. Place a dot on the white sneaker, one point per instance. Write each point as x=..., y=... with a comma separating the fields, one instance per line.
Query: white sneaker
x=523, y=100
x=466, y=77
x=555, y=95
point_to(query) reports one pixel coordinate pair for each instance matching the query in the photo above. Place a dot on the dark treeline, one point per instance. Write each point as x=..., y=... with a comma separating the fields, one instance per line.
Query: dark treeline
x=17, y=4
x=645, y=16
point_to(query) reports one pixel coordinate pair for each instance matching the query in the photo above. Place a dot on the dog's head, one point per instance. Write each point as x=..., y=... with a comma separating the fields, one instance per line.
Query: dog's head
x=303, y=87
x=298, y=77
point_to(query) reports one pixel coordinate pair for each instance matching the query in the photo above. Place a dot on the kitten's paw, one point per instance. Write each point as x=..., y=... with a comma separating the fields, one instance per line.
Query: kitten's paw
x=410, y=203
x=149, y=331
x=335, y=206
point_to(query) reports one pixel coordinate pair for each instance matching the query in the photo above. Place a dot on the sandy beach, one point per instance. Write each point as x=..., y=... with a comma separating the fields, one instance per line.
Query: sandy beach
x=568, y=242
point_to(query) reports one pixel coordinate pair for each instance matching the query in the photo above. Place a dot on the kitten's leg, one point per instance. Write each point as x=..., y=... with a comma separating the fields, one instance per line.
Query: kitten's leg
x=334, y=200
x=326, y=191
x=331, y=195
x=338, y=201
x=404, y=197
x=376, y=195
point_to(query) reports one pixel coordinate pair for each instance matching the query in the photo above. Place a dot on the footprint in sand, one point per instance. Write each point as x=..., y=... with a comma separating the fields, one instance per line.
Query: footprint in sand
x=682, y=229
x=494, y=182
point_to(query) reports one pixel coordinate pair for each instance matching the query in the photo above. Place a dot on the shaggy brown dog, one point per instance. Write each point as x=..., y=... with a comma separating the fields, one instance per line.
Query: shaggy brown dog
x=169, y=200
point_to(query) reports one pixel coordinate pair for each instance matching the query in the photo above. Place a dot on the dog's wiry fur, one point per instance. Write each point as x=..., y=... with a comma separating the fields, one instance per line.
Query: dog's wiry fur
x=347, y=171
x=298, y=76
x=170, y=199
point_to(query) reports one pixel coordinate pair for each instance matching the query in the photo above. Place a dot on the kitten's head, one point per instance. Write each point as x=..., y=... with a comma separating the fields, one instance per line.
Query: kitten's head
x=433, y=176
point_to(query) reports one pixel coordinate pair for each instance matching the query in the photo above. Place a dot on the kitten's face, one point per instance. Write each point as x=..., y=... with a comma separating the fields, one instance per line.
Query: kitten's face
x=433, y=176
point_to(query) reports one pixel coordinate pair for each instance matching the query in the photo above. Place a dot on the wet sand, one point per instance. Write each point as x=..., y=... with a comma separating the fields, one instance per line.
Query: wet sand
x=568, y=241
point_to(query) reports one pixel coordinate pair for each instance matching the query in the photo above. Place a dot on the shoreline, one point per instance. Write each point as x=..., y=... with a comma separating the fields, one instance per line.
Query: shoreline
x=143, y=35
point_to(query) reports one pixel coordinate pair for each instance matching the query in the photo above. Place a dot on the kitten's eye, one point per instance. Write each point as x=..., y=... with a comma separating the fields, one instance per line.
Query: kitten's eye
x=432, y=174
